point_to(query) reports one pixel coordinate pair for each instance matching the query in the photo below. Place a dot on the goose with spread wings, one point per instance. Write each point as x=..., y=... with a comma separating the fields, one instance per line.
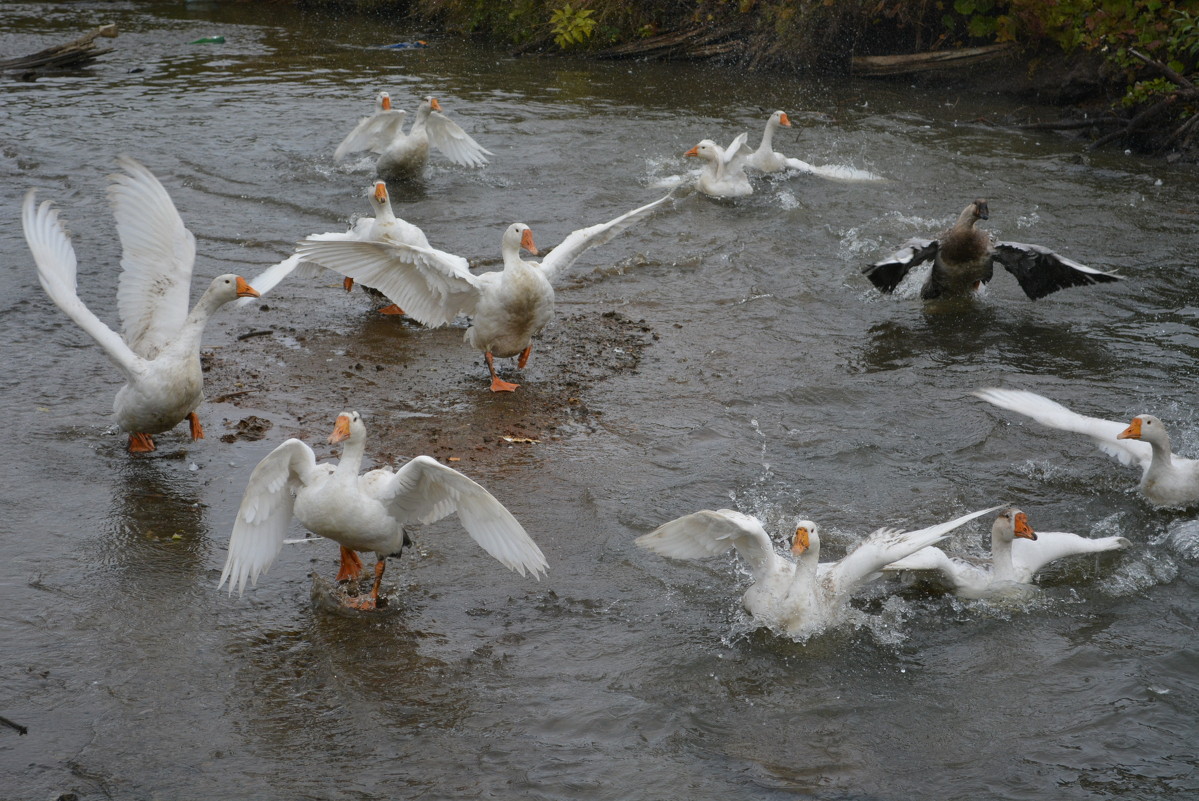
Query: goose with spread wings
x=797, y=598
x=768, y=160
x=507, y=307
x=1017, y=553
x=403, y=156
x=723, y=174
x=1166, y=478
x=367, y=512
x=964, y=261
x=385, y=226
x=158, y=351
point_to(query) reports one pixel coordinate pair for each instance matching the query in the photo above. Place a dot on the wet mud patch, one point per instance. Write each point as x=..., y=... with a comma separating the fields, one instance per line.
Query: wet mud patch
x=421, y=390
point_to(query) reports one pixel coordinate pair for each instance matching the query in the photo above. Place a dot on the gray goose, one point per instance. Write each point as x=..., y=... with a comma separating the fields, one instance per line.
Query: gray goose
x=964, y=257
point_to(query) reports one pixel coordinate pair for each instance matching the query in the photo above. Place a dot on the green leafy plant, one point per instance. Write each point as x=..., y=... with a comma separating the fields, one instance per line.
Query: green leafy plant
x=571, y=26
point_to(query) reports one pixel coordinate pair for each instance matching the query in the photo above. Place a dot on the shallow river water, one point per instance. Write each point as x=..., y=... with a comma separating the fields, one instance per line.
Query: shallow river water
x=775, y=381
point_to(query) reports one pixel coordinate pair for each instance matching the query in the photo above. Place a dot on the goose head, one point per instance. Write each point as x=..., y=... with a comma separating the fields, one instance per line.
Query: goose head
x=780, y=118
x=976, y=211
x=383, y=101
x=1010, y=524
x=349, y=424
x=706, y=150
x=230, y=287
x=807, y=538
x=380, y=199
x=429, y=103
x=516, y=237
x=1148, y=428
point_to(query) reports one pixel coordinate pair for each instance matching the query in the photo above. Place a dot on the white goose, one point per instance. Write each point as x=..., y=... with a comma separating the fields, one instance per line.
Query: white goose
x=507, y=307
x=363, y=513
x=403, y=156
x=385, y=226
x=796, y=598
x=723, y=173
x=1017, y=553
x=766, y=159
x=159, y=354
x=1166, y=480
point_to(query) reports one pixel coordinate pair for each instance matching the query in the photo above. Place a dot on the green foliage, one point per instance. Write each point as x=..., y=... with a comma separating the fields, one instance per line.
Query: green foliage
x=571, y=26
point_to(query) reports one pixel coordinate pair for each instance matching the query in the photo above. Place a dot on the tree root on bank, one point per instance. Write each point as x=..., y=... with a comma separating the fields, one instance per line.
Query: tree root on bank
x=1183, y=134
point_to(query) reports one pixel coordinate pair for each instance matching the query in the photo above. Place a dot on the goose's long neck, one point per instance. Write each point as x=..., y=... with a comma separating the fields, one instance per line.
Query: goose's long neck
x=1163, y=456
x=1001, y=556
x=350, y=463
x=187, y=340
x=966, y=220
x=421, y=117
x=767, y=145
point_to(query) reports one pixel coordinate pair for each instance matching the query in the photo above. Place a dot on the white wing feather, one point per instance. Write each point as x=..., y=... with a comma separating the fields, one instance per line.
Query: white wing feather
x=448, y=137
x=425, y=490
x=56, y=271
x=710, y=533
x=1054, y=415
x=1029, y=556
x=889, y=545
x=430, y=285
x=265, y=513
x=156, y=261
x=372, y=133
x=578, y=241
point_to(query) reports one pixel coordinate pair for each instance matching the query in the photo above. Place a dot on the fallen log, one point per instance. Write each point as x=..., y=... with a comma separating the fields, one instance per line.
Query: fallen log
x=76, y=53
x=908, y=64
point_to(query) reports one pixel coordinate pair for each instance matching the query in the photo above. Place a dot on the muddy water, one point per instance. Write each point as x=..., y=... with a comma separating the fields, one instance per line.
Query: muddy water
x=748, y=365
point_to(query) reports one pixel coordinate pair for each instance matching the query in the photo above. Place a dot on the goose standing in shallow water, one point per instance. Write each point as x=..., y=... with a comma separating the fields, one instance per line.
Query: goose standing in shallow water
x=159, y=353
x=403, y=156
x=1017, y=553
x=1166, y=480
x=363, y=512
x=964, y=257
x=723, y=173
x=507, y=307
x=797, y=598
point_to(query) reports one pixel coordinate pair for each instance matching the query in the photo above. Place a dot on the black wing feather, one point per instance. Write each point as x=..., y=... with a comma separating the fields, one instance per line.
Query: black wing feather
x=888, y=273
x=1041, y=272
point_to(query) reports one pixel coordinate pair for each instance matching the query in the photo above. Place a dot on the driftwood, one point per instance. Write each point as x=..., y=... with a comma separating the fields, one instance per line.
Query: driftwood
x=885, y=66
x=76, y=53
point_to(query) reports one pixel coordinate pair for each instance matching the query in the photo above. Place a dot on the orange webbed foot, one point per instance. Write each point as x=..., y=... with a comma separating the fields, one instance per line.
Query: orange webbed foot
x=524, y=357
x=197, y=430
x=348, y=283
x=141, y=443
x=351, y=565
x=392, y=309
x=500, y=385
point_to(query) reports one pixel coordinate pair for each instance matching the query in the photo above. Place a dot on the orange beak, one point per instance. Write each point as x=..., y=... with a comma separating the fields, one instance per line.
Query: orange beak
x=434, y=104
x=244, y=290
x=341, y=430
x=783, y=121
x=1133, y=431
x=526, y=241
x=1023, y=529
x=387, y=104
x=693, y=151
x=801, y=542
x=380, y=191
